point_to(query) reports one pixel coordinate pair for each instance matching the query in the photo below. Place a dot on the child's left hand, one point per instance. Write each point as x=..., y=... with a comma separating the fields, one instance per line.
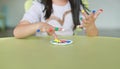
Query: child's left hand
x=89, y=20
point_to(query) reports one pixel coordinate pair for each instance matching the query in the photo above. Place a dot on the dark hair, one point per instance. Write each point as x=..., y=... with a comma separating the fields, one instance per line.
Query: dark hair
x=75, y=8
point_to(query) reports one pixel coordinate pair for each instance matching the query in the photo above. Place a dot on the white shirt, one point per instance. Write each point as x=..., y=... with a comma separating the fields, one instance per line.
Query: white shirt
x=36, y=14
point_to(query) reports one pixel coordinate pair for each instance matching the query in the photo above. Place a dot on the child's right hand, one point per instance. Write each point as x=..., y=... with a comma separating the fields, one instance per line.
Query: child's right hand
x=50, y=29
x=44, y=27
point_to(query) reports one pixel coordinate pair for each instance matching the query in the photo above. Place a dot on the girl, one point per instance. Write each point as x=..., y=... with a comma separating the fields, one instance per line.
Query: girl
x=48, y=14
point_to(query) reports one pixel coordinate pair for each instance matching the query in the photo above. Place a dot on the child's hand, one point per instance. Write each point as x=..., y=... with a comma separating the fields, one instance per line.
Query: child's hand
x=47, y=28
x=50, y=29
x=89, y=20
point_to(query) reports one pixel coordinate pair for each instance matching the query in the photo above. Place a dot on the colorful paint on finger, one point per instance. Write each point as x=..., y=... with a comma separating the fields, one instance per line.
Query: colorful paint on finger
x=94, y=11
x=101, y=10
x=38, y=30
x=59, y=29
x=50, y=29
x=56, y=29
x=82, y=11
x=81, y=18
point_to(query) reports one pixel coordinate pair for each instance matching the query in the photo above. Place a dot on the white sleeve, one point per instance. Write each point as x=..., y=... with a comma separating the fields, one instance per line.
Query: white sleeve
x=33, y=15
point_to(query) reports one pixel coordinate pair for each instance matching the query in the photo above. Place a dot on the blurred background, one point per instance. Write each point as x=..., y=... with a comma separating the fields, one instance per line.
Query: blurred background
x=11, y=12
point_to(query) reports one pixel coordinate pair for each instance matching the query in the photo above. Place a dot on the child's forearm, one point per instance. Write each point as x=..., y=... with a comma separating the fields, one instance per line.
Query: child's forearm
x=25, y=29
x=92, y=31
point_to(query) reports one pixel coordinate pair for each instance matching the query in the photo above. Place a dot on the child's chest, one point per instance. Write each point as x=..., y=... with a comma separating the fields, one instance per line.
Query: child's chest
x=61, y=19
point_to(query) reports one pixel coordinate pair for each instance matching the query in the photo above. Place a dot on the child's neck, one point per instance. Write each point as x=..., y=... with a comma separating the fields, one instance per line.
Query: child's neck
x=60, y=2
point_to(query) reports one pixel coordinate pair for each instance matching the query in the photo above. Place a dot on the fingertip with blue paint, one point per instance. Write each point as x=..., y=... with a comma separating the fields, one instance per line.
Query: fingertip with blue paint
x=94, y=11
x=38, y=30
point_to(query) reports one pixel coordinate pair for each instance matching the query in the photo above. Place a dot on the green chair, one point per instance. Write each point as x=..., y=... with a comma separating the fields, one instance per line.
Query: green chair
x=86, y=3
x=27, y=5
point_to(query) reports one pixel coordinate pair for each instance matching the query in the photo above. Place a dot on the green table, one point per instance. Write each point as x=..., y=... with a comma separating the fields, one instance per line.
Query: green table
x=38, y=53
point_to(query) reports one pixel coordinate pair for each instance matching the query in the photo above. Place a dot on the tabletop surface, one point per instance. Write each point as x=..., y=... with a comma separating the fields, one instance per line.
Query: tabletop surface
x=39, y=53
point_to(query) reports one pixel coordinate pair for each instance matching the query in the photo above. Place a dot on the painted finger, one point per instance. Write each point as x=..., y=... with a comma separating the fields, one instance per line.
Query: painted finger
x=93, y=13
x=98, y=13
x=55, y=36
x=84, y=14
x=51, y=29
x=58, y=29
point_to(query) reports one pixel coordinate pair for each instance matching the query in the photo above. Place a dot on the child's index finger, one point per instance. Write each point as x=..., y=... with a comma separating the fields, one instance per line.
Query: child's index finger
x=55, y=36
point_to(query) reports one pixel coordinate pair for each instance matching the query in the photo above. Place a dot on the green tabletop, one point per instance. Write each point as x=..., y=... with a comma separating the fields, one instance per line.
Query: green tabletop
x=39, y=53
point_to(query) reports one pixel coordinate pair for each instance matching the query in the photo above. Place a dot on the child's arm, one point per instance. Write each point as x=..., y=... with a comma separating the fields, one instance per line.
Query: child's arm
x=25, y=29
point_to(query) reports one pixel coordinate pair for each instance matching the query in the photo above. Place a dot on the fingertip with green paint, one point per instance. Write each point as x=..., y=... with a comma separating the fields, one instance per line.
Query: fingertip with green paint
x=81, y=18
